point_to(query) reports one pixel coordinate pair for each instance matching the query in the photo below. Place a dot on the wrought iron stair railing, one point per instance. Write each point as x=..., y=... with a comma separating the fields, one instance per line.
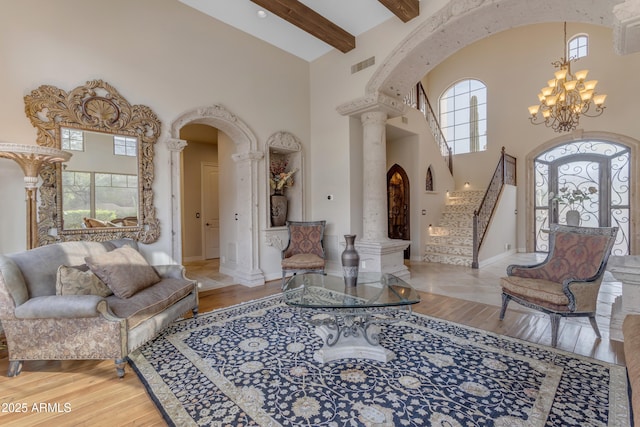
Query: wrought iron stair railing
x=417, y=98
x=505, y=173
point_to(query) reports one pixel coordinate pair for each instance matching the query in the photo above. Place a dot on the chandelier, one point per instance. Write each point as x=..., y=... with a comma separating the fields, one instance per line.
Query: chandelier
x=566, y=97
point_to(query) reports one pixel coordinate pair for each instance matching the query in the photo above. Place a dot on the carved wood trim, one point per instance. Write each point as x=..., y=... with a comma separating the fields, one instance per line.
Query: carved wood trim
x=96, y=106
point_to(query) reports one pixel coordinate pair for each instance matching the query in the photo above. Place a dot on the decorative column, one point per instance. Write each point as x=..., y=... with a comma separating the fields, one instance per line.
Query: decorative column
x=31, y=158
x=175, y=147
x=247, y=270
x=377, y=252
x=374, y=221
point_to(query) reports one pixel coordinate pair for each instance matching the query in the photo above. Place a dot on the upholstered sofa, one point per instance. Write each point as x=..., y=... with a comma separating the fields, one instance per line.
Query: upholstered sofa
x=631, y=332
x=87, y=300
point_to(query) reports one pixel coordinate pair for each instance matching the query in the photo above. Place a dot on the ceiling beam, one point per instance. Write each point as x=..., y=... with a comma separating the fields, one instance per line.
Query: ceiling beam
x=310, y=21
x=406, y=10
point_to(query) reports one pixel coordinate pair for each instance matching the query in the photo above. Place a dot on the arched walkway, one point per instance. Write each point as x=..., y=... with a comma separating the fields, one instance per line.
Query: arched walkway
x=463, y=22
x=245, y=270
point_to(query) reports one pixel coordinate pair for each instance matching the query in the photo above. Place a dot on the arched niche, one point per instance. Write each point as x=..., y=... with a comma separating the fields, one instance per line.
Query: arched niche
x=284, y=152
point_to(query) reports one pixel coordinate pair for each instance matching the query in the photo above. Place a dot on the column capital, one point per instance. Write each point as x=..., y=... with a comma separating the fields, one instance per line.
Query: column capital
x=376, y=101
x=175, y=144
x=374, y=118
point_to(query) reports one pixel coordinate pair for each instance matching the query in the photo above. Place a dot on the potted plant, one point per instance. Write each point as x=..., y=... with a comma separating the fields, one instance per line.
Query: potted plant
x=574, y=199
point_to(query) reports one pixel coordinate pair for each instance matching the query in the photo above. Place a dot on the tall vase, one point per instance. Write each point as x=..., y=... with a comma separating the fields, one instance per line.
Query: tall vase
x=279, y=206
x=350, y=261
x=573, y=217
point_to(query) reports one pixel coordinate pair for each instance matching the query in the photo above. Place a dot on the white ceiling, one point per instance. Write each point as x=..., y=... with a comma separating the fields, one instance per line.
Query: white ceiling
x=353, y=16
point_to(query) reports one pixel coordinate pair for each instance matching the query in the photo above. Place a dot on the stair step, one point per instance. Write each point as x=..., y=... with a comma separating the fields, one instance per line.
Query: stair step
x=451, y=240
x=467, y=193
x=451, y=231
x=460, y=209
x=462, y=250
x=448, y=259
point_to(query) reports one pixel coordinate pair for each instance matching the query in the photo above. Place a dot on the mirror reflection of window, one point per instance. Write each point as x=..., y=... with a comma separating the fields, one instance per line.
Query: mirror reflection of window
x=125, y=146
x=72, y=139
x=100, y=184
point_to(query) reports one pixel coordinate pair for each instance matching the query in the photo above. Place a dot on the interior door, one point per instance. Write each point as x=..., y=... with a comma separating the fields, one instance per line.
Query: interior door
x=210, y=211
x=398, y=206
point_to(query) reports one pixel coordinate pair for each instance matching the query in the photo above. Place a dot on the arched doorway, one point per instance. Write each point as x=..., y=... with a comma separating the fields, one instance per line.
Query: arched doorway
x=398, y=203
x=242, y=250
x=590, y=178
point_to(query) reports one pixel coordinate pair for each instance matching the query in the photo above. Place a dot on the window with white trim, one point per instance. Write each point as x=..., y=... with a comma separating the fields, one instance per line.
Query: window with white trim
x=463, y=116
x=578, y=46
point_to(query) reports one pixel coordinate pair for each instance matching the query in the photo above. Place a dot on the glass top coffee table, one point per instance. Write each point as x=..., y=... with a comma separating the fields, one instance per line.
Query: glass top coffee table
x=349, y=319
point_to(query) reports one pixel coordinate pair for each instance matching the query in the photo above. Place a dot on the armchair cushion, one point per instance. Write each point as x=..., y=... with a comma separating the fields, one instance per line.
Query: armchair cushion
x=303, y=262
x=539, y=291
x=124, y=270
x=80, y=281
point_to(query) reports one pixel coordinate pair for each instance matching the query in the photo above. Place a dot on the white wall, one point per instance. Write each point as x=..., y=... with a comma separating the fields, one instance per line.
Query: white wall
x=159, y=53
x=500, y=239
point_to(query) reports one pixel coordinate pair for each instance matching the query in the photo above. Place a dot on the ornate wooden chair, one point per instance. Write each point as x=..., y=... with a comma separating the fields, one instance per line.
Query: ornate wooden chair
x=567, y=282
x=305, y=250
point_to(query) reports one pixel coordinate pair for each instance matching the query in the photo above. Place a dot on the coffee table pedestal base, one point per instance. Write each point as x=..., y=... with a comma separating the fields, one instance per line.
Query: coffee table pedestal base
x=350, y=347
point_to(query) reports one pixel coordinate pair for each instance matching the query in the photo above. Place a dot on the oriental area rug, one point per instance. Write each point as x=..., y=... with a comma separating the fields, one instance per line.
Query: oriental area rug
x=253, y=365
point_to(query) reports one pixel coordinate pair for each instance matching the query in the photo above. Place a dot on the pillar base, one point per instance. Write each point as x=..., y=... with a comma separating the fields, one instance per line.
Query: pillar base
x=384, y=257
x=626, y=269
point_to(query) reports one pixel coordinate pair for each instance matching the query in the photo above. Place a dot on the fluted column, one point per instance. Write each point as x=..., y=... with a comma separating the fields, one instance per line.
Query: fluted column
x=374, y=225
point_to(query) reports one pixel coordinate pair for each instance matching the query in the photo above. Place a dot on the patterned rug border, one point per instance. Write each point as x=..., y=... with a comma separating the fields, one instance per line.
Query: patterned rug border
x=619, y=389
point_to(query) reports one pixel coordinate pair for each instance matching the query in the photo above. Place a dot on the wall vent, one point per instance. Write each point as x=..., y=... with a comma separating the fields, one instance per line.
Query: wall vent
x=363, y=64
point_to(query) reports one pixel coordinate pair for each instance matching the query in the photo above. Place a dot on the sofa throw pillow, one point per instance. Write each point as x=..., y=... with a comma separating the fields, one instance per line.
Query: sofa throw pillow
x=124, y=270
x=79, y=281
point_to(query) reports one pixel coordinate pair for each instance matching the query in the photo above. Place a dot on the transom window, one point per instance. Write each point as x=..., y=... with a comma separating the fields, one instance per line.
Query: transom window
x=578, y=46
x=463, y=116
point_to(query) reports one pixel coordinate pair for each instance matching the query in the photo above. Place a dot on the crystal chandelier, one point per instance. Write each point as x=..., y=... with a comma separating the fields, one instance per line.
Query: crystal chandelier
x=566, y=97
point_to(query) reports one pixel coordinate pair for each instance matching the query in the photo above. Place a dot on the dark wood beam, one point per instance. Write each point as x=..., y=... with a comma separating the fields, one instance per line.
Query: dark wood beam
x=310, y=21
x=406, y=10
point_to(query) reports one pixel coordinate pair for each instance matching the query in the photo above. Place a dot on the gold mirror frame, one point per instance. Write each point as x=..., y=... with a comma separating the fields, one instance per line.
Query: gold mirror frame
x=96, y=106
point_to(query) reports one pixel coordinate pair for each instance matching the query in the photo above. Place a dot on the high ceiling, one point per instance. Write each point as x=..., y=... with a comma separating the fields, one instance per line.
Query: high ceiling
x=353, y=17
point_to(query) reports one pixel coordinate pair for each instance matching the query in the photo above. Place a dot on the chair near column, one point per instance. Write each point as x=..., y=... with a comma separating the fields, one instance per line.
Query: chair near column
x=567, y=282
x=305, y=250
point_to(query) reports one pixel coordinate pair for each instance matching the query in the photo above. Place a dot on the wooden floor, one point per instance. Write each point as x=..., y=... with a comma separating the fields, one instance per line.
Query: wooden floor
x=88, y=393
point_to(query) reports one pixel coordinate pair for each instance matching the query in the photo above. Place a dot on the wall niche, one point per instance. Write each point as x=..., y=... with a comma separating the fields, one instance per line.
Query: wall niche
x=284, y=179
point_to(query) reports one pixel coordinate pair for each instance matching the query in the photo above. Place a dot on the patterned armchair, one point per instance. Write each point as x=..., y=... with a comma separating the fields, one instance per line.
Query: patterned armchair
x=305, y=250
x=567, y=282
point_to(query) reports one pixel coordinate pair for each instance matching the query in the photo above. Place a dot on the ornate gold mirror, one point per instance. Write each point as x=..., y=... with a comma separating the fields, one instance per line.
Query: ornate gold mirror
x=106, y=191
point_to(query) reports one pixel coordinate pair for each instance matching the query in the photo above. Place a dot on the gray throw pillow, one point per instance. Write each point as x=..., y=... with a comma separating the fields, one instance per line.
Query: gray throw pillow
x=79, y=281
x=124, y=270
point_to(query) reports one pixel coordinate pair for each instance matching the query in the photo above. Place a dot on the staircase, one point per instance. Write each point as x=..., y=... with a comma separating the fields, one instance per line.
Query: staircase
x=451, y=242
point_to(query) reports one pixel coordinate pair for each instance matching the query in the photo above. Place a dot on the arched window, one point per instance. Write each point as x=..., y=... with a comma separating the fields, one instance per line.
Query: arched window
x=578, y=46
x=429, y=179
x=463, y=116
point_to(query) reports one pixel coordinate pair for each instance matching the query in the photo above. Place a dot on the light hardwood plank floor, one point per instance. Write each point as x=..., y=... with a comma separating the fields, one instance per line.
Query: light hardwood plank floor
x=88, y=393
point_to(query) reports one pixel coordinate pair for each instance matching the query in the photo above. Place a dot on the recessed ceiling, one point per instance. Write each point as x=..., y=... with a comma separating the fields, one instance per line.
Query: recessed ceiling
x=354, y=16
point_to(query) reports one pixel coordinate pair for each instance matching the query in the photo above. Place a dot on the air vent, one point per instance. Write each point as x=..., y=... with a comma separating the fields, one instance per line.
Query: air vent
x=363, y=64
